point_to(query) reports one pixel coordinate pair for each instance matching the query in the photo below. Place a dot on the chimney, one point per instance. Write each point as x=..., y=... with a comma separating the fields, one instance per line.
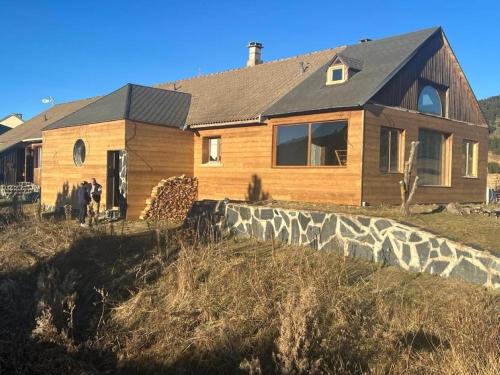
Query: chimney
x=254, y=53
x=365, y=40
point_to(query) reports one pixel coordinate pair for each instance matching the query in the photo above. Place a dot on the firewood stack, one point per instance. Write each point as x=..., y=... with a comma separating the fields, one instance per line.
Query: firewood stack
x=171, y=199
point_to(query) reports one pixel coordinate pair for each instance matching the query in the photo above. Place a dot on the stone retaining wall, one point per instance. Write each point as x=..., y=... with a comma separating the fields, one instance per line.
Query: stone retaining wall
x=372, y=239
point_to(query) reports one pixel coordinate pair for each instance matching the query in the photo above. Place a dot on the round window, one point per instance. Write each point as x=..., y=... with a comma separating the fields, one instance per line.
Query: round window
x=79, y=152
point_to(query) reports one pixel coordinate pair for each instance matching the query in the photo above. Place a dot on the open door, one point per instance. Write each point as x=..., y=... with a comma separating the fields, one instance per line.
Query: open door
x=113, y=180
x=116, y=182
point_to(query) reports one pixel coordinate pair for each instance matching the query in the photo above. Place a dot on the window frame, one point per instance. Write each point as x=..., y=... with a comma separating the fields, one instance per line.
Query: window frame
x=309, y=138
x=81, y=162
x=475, y=159
x=37, y=157
x=400, y=151
x=442, y=93
x=329, y=80
x=206, y=147
x=447, y=158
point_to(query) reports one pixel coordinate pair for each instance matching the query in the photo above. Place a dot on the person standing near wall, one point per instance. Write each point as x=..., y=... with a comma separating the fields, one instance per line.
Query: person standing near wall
x=83, y=199
x=95, y=203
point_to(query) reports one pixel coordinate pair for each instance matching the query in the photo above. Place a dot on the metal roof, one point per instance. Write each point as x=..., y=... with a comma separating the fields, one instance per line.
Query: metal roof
x=135, y=103
x=379, y=60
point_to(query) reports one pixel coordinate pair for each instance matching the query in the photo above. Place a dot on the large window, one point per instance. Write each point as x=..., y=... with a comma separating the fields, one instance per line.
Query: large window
x=469, y=158
x=315, y=144
x=432, y=160
x=429, y=101
x=390, y=141
x=291, y=144
x=211, y=150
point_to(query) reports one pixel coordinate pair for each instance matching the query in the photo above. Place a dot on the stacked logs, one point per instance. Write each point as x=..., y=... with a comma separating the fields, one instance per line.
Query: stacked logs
x=171, y=199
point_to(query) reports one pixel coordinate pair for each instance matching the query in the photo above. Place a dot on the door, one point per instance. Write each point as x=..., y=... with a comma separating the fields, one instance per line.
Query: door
x=113, y=180
x=116, y=181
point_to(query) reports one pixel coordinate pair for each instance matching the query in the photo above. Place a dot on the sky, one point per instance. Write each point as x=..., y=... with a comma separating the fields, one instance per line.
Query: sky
x=77, y=49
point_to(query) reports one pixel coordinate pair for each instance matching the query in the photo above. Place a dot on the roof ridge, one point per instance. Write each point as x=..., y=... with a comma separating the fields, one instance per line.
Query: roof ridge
x=76, y=100
x=247, y=67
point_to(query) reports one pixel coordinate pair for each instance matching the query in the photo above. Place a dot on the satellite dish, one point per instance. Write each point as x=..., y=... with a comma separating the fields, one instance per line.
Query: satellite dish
x=49, y=100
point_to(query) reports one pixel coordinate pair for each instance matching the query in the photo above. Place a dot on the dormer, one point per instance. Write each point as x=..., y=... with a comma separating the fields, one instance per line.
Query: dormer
x=342, y=69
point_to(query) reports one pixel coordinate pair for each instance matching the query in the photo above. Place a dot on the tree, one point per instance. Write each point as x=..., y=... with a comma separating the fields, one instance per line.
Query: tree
x=407, y=188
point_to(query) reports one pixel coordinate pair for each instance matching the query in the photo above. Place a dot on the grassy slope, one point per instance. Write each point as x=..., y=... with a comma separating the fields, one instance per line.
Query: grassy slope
x=140, y=307
x=478, y=231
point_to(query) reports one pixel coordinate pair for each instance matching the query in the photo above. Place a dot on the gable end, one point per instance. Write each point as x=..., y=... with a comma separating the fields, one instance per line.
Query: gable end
x=433, y=63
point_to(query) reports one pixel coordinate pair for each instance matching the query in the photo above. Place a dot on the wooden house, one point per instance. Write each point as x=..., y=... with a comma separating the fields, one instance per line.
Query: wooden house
x=329, y=126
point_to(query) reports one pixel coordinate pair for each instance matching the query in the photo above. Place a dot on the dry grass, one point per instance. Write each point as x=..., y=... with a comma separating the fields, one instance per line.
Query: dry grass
x=302, y=311
x=159, y=304
x=480, y=232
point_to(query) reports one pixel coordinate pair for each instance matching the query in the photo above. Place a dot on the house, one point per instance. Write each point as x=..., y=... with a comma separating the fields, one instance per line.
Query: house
x=329, y=126
x=10, y=121
x=20, y=147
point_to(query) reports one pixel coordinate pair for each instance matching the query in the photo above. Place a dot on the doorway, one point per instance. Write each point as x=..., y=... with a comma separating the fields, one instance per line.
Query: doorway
x=113, y=180
x=116, y=181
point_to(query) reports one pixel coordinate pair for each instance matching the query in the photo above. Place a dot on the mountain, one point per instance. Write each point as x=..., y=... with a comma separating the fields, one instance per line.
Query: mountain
x=491, y=109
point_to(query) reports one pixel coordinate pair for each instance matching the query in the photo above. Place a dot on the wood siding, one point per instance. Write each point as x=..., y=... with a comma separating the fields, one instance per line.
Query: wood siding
x=246, y=169
x=381, y=187
x=436, y=63
x=61, y=176
x=154, y=153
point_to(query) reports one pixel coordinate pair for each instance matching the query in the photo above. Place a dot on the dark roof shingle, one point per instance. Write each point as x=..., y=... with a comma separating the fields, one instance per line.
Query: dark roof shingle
x=132, y=102
x=379, y=60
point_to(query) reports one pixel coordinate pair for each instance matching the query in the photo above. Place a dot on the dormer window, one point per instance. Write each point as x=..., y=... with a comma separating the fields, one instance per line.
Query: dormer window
x=336, y=74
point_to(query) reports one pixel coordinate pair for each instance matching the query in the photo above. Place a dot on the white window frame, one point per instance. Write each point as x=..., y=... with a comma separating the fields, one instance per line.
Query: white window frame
x=329, y=80
x=475, y=151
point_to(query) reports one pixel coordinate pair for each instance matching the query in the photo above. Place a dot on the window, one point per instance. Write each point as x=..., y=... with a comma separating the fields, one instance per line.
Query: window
x=37, y=157
x=211, y=150
x=429, y=101
x=336, y=74
x=315, y=144
x=432, y=163
x=291, y=144
x=79, y=153
x=390, y=140
x=469, y=158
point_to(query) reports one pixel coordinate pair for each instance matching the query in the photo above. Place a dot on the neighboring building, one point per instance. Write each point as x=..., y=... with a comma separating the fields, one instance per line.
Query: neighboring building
x=330, y=126
x=20, y=147
x=10, y=121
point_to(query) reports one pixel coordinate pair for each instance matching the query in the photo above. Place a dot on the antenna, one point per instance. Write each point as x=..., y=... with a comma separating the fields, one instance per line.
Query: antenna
x=48, y=100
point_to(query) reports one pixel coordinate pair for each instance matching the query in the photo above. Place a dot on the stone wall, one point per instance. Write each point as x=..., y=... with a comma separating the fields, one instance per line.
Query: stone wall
x=373, y=239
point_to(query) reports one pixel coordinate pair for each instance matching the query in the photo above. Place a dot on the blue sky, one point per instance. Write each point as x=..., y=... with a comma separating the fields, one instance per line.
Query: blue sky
x=77, y=49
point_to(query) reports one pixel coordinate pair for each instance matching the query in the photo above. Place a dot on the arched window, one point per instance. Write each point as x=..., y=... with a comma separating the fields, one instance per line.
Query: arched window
x=429, y=101
x=79, y=152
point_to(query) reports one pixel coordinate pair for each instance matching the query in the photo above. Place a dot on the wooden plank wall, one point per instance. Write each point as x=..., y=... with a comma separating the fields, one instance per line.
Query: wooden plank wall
x=154, y=153
x=60, y=175
x=246, y=168
x=381, y=187
x=434, y=62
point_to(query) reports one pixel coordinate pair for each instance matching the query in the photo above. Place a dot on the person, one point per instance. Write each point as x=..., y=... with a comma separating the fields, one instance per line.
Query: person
x=95, y=203
x=83, y=199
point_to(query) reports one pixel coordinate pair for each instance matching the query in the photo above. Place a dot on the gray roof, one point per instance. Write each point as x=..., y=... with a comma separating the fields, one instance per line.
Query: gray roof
x=379, y=61
x=135, y=103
